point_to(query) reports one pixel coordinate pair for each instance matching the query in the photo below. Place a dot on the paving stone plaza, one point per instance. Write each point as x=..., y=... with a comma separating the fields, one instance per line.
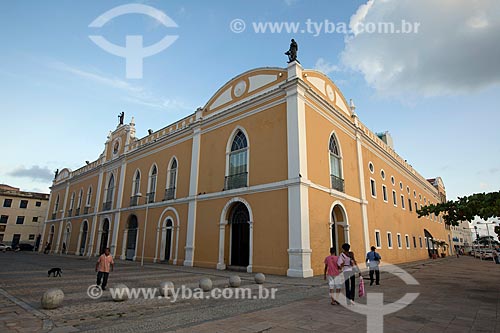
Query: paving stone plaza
x=456, y=295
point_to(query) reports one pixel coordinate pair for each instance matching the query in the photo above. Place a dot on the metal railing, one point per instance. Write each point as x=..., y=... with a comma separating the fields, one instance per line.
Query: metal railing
x=150, y=197
x=134, y=200
x=106, y=205
x=54, y=215
x=86, y=210
x=77, y=211
x=337, y=183
x=70, y=212
x=169, y=193
x=236, y=181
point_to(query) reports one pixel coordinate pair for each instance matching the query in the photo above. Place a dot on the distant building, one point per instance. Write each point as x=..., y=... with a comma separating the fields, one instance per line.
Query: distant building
x=274, y=170
x=22, y=215
x=462, y=236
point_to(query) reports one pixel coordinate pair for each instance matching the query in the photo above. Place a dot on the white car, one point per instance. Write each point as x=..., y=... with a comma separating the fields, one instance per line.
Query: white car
x=4, y=247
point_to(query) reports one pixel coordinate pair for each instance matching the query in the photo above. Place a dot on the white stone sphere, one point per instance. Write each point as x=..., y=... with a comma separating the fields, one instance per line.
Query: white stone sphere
x=260, y=278
x=120, y=293
x=205, y=284
x=234, y=281
x=52, y=298
x=167, y=288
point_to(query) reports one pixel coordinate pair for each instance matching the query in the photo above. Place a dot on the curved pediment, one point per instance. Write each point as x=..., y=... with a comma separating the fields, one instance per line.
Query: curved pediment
x=324, y=86
x=62, y=175
x=243, y=86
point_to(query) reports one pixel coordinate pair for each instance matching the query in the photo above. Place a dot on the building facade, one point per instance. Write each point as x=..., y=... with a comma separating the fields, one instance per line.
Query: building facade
x=274, y=170
x=462, y=236
x=21, y=215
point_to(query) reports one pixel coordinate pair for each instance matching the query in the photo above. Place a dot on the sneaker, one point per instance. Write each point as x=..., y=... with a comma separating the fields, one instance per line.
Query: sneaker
x=371, y=283
x=103, y=288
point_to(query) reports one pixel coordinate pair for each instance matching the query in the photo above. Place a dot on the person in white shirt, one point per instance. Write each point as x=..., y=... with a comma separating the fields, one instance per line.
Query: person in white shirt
x=347, y=263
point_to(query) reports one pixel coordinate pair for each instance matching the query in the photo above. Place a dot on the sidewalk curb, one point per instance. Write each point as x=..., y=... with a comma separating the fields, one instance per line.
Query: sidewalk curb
x=47, y=323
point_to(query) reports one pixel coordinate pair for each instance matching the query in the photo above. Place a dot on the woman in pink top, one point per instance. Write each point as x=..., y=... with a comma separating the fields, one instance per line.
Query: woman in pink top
x=332, y=271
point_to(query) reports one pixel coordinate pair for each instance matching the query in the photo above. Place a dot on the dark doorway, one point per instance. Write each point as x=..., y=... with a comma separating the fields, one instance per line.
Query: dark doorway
x=15, y=240
x=131, y=237
x=83, y=241
x=430, y=243
x=168, y=240
x=240, y=235
x=104, y=236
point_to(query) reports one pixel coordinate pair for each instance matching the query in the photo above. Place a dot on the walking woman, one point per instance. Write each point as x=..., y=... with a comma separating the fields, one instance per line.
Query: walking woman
x=348, y=265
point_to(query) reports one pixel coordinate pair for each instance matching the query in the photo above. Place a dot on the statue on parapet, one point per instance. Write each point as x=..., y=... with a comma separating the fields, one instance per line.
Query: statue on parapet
x=292, y=52
x=120, y=118
x=56, y=173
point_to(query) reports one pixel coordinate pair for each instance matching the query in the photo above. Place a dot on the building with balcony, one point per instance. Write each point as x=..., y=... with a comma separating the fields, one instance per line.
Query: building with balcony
x=21, y=215
x=274, y=170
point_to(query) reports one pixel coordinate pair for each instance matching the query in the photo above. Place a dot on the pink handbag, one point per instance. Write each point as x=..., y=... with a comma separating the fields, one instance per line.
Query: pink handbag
x=361, y=287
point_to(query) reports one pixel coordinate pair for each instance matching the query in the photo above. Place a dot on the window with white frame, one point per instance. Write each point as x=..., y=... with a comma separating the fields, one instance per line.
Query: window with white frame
x=171, y=180
x=407, y=241
x=389, y=240
x=152, y=184
x=371, y=167
x=337, y=181
x=110, y=190
x=238, y=163
x=72, y=201
x=136, y=185
x=373, y=188
x=378, y=243
x=89, y=196
x=420, y=241
x=80, y=198
x=398, y=236
x=414, y=242
x=402, y=201
x=384, y=192
x=56, y=205
x=394, y=198
x=382, y=174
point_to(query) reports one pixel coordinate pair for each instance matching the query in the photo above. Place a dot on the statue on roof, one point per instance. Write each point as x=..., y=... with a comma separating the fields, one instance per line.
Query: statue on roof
x=120, y=118
x=56, y=173
x=292, y=52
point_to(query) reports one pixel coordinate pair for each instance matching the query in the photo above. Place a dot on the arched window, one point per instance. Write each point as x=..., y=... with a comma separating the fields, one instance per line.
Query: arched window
x=56, y=207
x=87, y=201
x=238, y=163
x=136, y=189
x=335, y=164
x=71, y=204
x=171, y=180
x=109, y=193
x=152, y=185
x=79, y=202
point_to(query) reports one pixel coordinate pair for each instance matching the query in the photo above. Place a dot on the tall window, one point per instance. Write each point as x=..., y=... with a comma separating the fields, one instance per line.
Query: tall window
x=56, y=206
x=377, y=239
x=79, y=202
x=152, y=184
x=89, y=196
x=171, y=180
x=384, y=192
x=373, y=188
x=394, y=198
x=71, y=204
x=137, y=183
x=238, y=163
x=399, y=240
x=389, y=240
x=109, y=193
x=335, y=165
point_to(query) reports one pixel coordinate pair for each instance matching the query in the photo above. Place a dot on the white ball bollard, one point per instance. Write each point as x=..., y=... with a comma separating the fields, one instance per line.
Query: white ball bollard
x=234, y=281
x=260, y=278
x=52, y=298
x=167, y=288
x=120, y=292
x=205, y=284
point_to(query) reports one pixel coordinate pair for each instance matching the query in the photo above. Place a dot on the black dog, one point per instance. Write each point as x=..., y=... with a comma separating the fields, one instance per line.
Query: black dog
x=56, y=271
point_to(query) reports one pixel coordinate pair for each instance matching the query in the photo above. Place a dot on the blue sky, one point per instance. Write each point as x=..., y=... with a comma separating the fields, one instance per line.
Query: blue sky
x=436, y=91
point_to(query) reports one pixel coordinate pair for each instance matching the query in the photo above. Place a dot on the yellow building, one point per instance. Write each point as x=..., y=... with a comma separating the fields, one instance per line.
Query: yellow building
x=21, y=215
x=270, y=173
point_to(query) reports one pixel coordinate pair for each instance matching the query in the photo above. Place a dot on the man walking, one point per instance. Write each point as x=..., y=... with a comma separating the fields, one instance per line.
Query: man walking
x=373, y=260
x=104, y=265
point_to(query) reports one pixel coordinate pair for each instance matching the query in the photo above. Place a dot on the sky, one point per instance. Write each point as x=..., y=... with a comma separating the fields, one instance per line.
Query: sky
x=435, y=88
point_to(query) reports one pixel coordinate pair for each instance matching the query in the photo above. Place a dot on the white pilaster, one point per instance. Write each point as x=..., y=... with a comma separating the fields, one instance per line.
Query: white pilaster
x=116, y=224
x=299, y=251
x=362, y=190
x=193, y=189
x=61, y=222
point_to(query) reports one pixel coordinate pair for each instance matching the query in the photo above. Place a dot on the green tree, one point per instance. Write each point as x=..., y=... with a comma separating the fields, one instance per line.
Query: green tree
x=484, y=205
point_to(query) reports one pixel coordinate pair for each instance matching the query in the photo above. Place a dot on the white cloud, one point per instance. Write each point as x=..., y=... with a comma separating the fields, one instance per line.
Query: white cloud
x=456, y=49
x=134, y=93
x=325, y=67
x=34, y=172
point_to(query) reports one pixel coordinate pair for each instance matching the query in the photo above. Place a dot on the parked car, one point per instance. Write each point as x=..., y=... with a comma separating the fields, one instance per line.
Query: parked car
x=487, y=254
x=25, y=247
x=4, y=247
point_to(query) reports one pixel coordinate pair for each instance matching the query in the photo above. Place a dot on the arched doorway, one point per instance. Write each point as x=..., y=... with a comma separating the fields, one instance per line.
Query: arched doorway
x=430, y=243
x=67, y=237
x=339, y=228
x=240, y=235
x=131, y=237
x=83, y=237
x=168, y=240
x=104, y=236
